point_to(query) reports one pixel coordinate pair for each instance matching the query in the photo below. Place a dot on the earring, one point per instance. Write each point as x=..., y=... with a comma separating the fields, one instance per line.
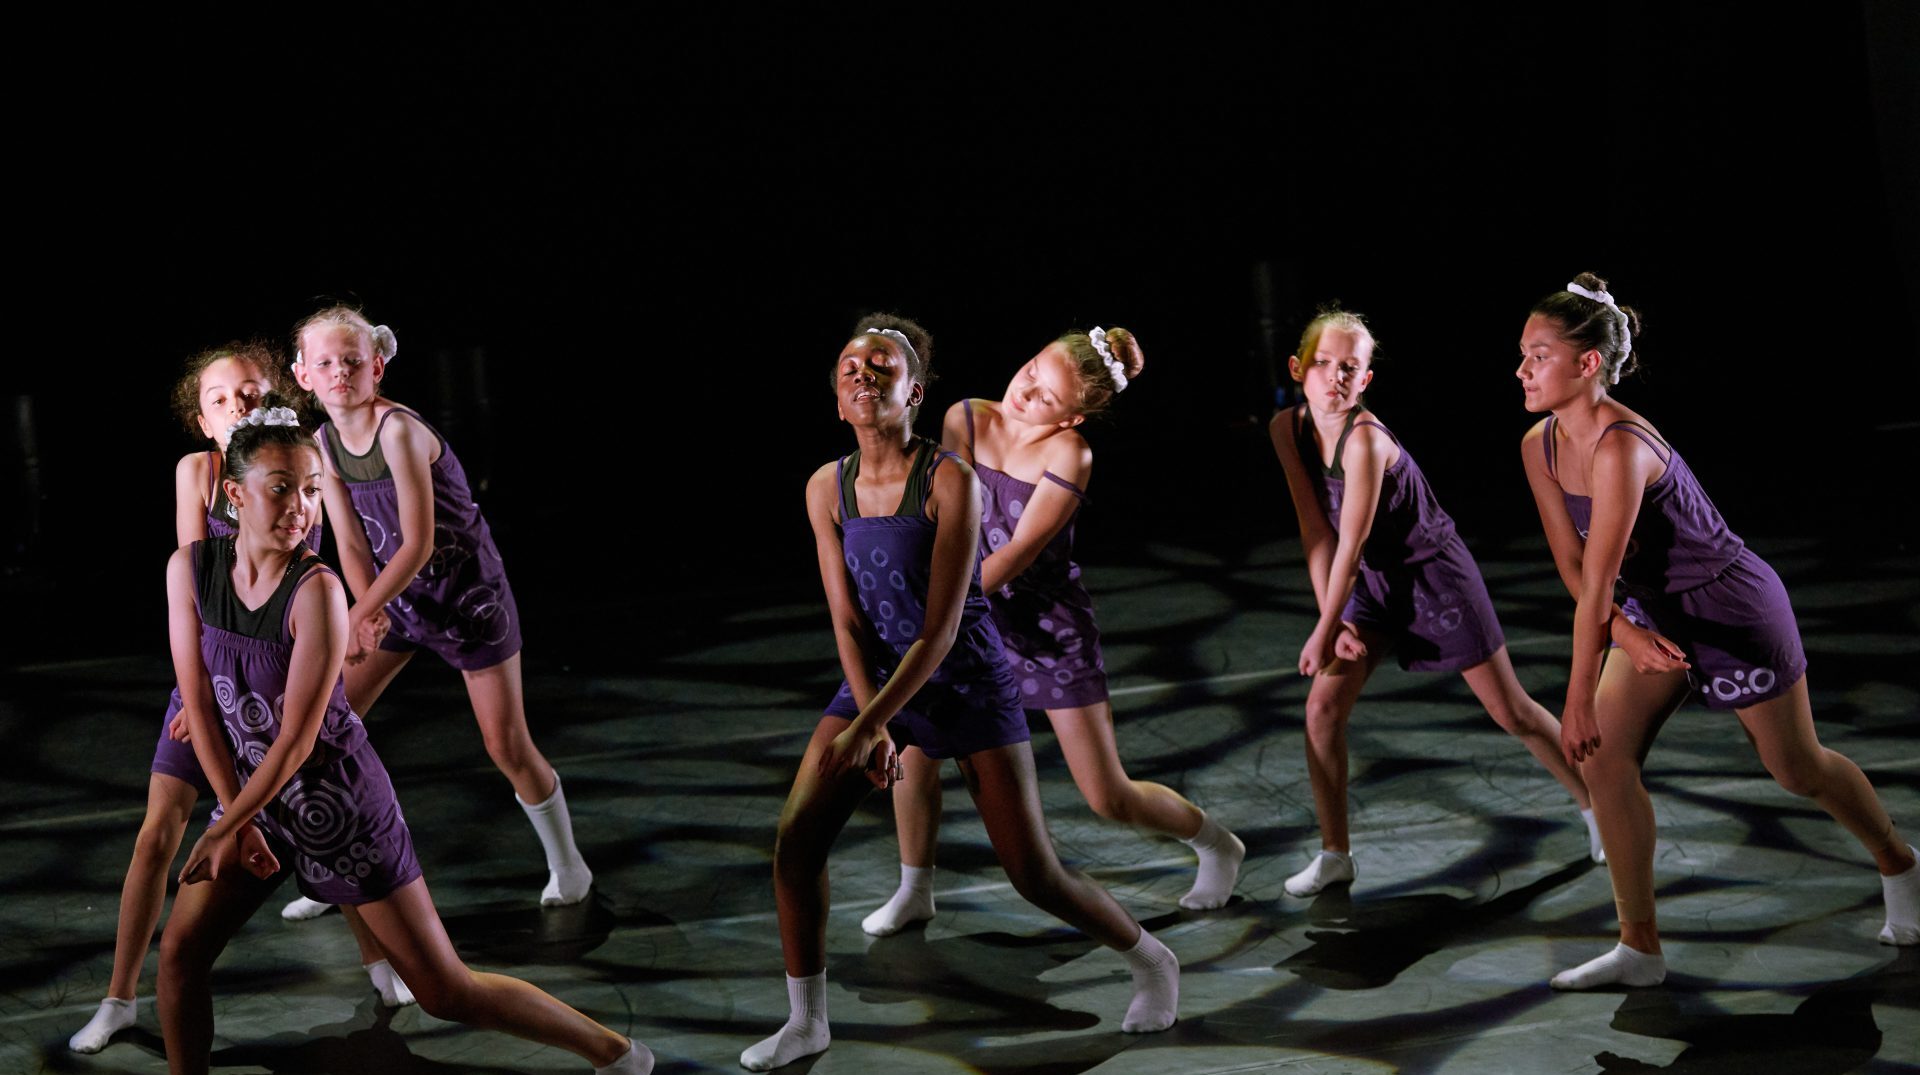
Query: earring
x=233, y=511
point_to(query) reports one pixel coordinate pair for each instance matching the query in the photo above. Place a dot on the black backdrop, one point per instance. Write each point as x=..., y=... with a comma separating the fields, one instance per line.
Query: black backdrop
x=620, y=258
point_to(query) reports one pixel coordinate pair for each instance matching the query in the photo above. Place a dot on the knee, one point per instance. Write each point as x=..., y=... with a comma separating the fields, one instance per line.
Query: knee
x=1037, y=878
x=1610, y=770
x=1326, y=720
x=446, y=996
x=182, y=960
x=1801, y=776
x=159, y=837
x=796, y=859
x=1112, y=800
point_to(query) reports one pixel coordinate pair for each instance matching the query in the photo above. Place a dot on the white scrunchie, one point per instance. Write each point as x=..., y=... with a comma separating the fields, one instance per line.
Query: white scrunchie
x=896, y=336
x=1626, y=334
x=1098, y=337
x=385, y=344
x=266, y=416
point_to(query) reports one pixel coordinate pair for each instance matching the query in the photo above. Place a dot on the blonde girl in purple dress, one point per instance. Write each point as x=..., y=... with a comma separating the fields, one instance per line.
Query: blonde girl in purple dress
x=1033, y=467
x=1389, y=572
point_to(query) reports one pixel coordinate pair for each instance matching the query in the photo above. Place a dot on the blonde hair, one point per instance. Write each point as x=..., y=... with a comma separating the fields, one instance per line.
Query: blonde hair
x=1097, y=387
x=345, y=317
x=1332, y=317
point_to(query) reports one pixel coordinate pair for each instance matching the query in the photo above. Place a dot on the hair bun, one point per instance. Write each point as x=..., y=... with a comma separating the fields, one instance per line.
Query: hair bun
x=1126, y=351
x=1591, y=281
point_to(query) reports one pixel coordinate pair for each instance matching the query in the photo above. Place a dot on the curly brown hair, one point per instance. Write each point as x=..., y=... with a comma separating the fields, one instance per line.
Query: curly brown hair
x=186, y=390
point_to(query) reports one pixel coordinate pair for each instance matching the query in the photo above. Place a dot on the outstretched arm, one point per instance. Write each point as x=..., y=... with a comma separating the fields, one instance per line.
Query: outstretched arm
x=1316, y=533
x=1048, y=513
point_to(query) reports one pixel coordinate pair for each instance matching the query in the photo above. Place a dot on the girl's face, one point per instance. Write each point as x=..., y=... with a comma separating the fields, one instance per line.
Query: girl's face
x=1338, y=371
x=229, y=389
x=338, y=365
x=1046, y=391
x=1553, y=370
x=873, y=383
x=280, y=497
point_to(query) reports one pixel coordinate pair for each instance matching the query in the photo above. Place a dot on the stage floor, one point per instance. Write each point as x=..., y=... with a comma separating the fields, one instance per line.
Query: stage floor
x=1474, y=882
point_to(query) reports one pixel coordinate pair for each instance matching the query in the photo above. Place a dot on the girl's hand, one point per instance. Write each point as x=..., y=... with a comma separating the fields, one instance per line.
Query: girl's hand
x=216, y=851
x=1348, y=646
x=1651, y=652
x=364, y=632
x=1317, y=654
x=1579, y=733
x=177, y=729
x=860, y=746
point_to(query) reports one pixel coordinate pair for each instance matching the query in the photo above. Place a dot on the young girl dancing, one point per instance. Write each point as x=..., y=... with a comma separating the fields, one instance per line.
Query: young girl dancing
x=896, y=526
x=1706, y=616
x=424, y=570
x=257, y=652
x=1033, y=467
x=1389, y=572
x=217, y=388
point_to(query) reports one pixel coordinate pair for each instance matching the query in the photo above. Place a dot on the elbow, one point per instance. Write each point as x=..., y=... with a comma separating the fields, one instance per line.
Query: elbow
x=939, y=641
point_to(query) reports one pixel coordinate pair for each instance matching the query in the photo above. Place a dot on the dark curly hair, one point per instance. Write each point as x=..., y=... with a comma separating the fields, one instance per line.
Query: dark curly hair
x=186, y=390
x=1592, y=325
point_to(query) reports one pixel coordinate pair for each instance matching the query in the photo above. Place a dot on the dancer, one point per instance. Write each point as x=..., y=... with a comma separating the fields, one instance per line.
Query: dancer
x=1044, y=614
x=293, y=770
x=897, y=527
x=1704, y=615
x=217, y=388
x=424, y=571
x=1389, y=572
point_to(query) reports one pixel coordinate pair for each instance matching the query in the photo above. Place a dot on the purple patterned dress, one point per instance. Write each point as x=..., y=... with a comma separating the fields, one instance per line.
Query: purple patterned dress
x=971, y=702
x=1692, y=580
x=1045, y=616
x=337, y=815
x=170, y=756
x=1417, y=583
x=460, y=605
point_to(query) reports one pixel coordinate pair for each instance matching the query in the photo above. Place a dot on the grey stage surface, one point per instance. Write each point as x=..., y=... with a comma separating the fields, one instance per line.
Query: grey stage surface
x=1474, y=882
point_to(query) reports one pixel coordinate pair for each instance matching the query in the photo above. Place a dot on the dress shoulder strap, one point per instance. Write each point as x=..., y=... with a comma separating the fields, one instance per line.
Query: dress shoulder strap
x=1647, y=437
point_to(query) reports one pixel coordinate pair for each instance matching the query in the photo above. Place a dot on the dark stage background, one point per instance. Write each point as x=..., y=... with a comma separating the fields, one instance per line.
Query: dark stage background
x=620, y=259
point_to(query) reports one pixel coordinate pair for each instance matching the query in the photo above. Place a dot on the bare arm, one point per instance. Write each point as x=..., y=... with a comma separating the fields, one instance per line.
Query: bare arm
x=849, y=630
x=349, y=535
x=1365, y=462
x=1048, y=513
x=408, y=447
x=190, y=672
x=1316, y=535
x=1621, y=468
x=189, y=505
x=1562, y=538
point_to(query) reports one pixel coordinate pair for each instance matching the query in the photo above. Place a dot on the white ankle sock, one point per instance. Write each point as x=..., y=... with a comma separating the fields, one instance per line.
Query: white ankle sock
x=638, y=1061
x=301, y=909
x=1327, y=868
x=568, y=879
x=1622, y=966
x=1156, y=986
x=114, y=1016
x=1902, y=895
x=911, y=902
x=805, y=1032
x=1220, y=855
x=393, y=992
x=1595, y=849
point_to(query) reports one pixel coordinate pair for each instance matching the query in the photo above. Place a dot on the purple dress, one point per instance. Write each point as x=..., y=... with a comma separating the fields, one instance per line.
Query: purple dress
x=337, y=815
x=971, y=702
x=1045, y=616
x=170, y=756
x=1691, y=579
x=460, y=605
x=1417, y=583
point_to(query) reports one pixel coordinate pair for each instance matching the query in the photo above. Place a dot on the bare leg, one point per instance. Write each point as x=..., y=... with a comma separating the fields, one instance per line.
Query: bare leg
x=205, y=917
x=1086, y=738
x=1631, y=708
x=1508, y=703
x=393, y=990
x=1330, y=703
x=814, y=814
x=169, y=801
x=1782, y=731
x=369, y=679
x=916, y=812
x=410, y=932
x=1008, y=796
x=499, y=704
